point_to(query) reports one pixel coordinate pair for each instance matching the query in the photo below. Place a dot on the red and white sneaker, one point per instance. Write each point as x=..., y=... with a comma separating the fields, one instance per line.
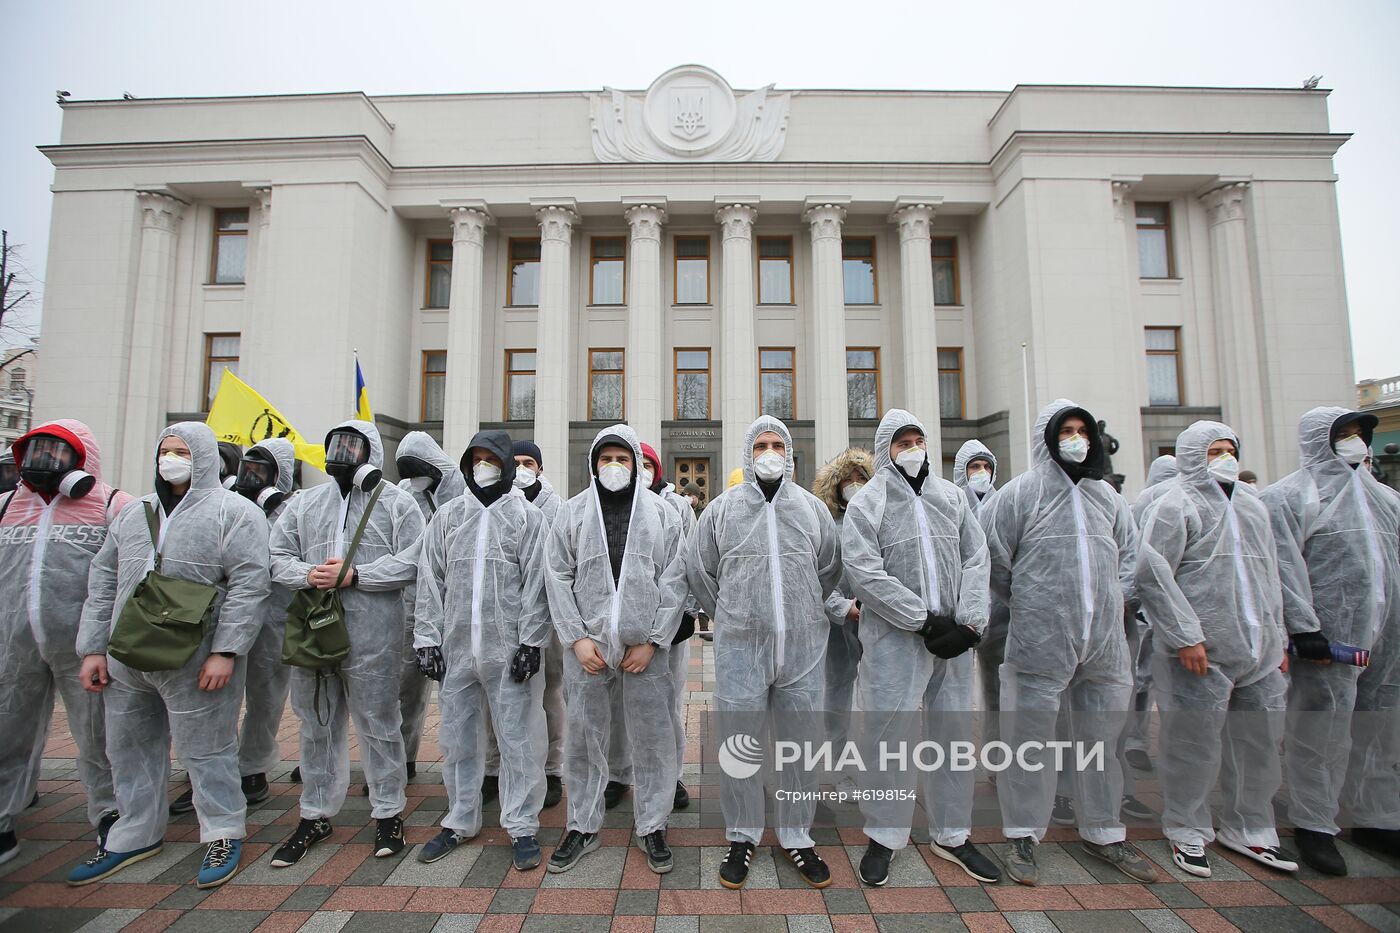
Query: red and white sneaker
x=1191, y=859
x=1272, y=856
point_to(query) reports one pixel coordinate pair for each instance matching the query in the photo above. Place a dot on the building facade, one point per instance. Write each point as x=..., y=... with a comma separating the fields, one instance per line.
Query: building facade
x=18, y=368
x=688, y=256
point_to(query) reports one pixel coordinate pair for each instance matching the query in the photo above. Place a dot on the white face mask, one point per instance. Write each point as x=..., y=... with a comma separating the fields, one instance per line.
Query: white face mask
x=1352, y=449
x=1074, y=449
x=911, y=461
x=769, y=465
x=1224, y=468
x=524, y=477
x=849, y=492
x=174, y=469
x=648, y=478
x=615, y=477
x=486, y=475
x=980, y=482
x=421, y=483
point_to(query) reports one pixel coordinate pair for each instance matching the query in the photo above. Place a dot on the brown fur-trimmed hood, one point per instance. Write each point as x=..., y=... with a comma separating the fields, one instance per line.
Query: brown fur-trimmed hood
x=827, y=486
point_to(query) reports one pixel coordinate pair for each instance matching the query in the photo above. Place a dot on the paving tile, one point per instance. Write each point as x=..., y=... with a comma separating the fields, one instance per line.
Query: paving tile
x=326, y=921
x=501, y=923
x=308, y=897
x=223, y=921
x=489, y=868
x=677, y=925
x=450, y=900
x=1162, y=921
x=1041, y=898
x=283, y=921
x=29, y=851
x=1294, y=891
x=56, y=919
x=920, y=923
x=1160, y=852
x=743, y=925
x=341, y=865
x=636, y=903
x=508, y=901
x=368, y=898
x=907, y=870
x=108, y=921
x=966, y=899
x=845, y=901
x=1175, y=894
x=1272, y=920
x=1343, y=920
x=1374, y=914
x=404, y=923
x=1206, y=920
x=139, y=896
x=783, y=901
x=1113, y=896
x=600, y=869
x=1235, y=894
x=457, y=923
x=809, y=923
x=184, y=897
x=1358, y=890
x=688, y=903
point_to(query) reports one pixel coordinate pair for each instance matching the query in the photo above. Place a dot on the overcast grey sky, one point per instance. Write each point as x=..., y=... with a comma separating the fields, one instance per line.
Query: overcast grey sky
x=162, y=48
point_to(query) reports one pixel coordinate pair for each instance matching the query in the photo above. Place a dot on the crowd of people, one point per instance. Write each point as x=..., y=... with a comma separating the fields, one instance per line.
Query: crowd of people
x=558, y=632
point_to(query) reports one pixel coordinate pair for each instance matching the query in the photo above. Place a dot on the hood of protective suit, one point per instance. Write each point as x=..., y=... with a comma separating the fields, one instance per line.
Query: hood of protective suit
x=1191, y=447
x=1045, y=447
x=895, y=421
x=968, y=452
x=77, y=434
x=499, y=443
x=1162, y=469
x=285, y=456
x=1315, y=437
x=762, y=425
x=420, y=444
x=370, y=433
x=833, y=475
x=619, y=435
x=204, y=458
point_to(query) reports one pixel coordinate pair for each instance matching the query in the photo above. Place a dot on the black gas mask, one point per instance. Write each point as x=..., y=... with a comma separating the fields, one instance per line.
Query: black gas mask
x=421, y=475
x=347, y=461
x=9, y=473
x=51, y=466
x=229, y=457
x=257, y=479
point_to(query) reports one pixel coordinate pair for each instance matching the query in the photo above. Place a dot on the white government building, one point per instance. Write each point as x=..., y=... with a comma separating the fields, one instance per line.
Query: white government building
x=688, y=256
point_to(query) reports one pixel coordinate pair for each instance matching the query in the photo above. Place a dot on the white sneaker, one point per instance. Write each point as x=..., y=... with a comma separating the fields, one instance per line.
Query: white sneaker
x=1272, y=856
x=1191, y=859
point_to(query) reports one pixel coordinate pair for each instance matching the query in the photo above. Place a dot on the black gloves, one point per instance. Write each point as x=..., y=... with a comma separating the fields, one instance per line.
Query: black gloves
x=686, y=630
x=525, y=664
x=944, y=637
x=430, y=663
x=937, y=625
x=1311, y=646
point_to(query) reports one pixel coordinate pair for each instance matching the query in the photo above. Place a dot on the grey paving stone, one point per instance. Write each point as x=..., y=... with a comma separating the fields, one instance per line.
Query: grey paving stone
x=1272, y=920
x=685, y=869
x=636, y=903
x=1162, y=921
x=449, y=872
x=184, y=897
x=373, y=921
x=763, y=873
x=457, y=923
x=677, y=925
x=1095, y=921
x=751, y=924
x=262, y=872
x=490, y=868
x=218, y=921
x=1175, y=894
x=29, y=850
x=845, y=901
x=1029, y=921
x=967, y=899
x=109, y=921
x=809, y=923
x=558, y=923
x=421, y=817
x=373, y=871
x=308, y=897
x=1374, y=914
x=920, y=923
x=600, y=869
x=183, y=871
x=512, y=901
x=1295, y=892
x=326, y=921
x=48, y=919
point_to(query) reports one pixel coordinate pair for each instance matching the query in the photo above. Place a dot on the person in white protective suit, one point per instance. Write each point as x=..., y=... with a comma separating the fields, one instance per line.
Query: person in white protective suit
x=1207, y=576
x=616, y=585
x=1062, y=545
x=430, y=476
x=916, y=558
x=51, y=527
x=762, y=562
x=480, y=627
x=1337, y=531
x=205, y=536
x=836, y=485
x=309, y=546
x=975, y=473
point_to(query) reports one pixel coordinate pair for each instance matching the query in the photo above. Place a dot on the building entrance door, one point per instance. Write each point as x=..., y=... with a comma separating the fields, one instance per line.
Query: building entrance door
x=696, y=471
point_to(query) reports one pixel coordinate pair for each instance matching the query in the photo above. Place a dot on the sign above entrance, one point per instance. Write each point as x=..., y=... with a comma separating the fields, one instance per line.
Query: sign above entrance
x=690, y=113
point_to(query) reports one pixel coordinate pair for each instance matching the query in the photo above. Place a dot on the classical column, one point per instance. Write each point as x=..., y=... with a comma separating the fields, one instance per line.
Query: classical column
x=1242, y=381
x=918, y=312
x=259, y=312
x=462, y=391
x=554, y=346
x=645, y=391
x=738, y=358
x=148, y=354
x=828, y=378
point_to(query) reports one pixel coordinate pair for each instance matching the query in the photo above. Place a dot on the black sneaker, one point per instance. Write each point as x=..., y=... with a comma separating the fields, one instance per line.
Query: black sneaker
x=255, y=789
x=810, y=866
x=734, y=870
x=524, y=853
x=682, y=800
x=490, y=788
x=1138, y=759
x=35, y=802
x=183, y=803
x=296, y=775
x=1135, y=808
x=969, y=859
x=9, y=846
x=1063, y=811
x=104, y=826
x=553, y=790
x=1319, y=851
x=613, y=793
x=658, y=853
x=1191, y=858
x=875, y=865
x=412, y=770
x=1378, y=840
x=306, y=835
x=574, y=846
x=388, y=836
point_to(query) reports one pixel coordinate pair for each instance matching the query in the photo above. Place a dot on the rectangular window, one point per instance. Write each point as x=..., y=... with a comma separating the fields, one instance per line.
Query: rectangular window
x=1164, y=366
x=862, y=382
x=523, y=291
x=434, y=384
x=608, y=272
x=945, y=270
x=438, y=292
x=775, y=270
x=605, y=385
x=693, y=384
x=520, y=385
x=858, y=269
x=777, y=383
x=1154, y=234
x=220, y=353
x=950, y=382
x=230, y=246
x=692, y=270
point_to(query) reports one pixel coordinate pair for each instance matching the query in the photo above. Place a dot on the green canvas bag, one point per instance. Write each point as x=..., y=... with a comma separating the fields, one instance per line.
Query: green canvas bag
x=164, y=620
x=315, y=636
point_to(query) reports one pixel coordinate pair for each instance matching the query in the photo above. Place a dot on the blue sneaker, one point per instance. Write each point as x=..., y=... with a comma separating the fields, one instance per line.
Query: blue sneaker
x=220, y=862
x=105, y=863
x=525, y=853
x=440, y=846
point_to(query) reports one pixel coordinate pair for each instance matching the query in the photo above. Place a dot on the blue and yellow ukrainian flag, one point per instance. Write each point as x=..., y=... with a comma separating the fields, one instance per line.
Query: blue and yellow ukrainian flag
x=362, y=409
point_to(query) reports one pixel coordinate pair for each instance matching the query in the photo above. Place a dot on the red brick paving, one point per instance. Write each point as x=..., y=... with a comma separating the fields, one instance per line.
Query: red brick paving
x=450, y=900
x=1235, y=894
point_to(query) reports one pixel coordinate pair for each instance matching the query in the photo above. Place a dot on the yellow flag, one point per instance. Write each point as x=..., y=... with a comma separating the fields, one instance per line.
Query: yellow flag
x=241, y=416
